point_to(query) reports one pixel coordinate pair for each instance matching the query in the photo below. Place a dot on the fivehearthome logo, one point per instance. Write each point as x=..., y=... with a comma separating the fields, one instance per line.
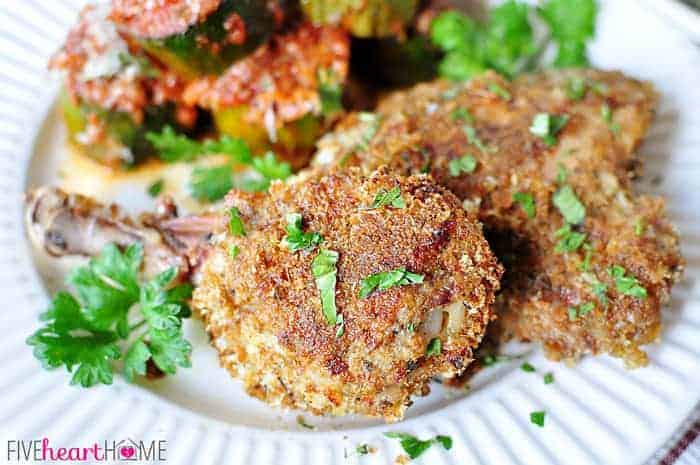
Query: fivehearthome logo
x=126, y=450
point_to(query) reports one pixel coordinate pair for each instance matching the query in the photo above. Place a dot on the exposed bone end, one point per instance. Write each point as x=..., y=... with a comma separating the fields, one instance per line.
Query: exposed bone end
x=64, y=224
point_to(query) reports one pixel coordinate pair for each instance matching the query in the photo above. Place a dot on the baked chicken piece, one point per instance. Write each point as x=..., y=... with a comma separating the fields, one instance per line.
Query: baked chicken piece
x=338, y=294
x=362, y=349
x=546, y=162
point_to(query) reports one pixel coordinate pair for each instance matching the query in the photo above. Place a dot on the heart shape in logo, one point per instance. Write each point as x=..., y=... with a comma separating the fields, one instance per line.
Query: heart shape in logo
x=127, y=452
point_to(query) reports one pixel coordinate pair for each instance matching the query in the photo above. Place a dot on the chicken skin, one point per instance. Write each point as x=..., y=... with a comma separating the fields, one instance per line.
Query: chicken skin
x=264, y=305
x=546, y=163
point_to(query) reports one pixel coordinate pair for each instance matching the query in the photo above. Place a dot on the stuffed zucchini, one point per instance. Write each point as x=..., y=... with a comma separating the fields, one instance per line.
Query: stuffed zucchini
x=367, y=18
x=280, y=97
x=113, y=95
x=197, y=37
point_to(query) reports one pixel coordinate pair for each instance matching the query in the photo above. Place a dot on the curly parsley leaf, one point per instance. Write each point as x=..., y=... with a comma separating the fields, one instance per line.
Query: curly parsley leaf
x=571, y=25
x=173, y=147
x=209, y=184
x=569, y=205
x=415, y=447
x=296, y=238
x=386, y=279
x=108, y=285
x=627, y=284
x=83, y=331
x=270, y=168
x=70, y=339
x=527, y=202
x=323, y=269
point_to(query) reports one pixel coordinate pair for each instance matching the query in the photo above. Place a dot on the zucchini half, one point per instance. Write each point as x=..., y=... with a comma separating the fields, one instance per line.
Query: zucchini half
x=367, y=18
x=123, y=142
x=295, y=140
x=207, y=48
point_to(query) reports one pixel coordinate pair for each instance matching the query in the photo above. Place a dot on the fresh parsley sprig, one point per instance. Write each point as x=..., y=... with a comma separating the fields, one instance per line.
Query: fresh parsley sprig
x=505, y=42
x=211, y=183
x=86, y=332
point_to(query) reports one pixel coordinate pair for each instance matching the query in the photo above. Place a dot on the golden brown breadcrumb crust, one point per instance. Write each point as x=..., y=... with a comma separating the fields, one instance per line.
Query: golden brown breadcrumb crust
x=94, y=40
x=425, y=128
x=280, y=78
x=160, y=18
x=263, y=310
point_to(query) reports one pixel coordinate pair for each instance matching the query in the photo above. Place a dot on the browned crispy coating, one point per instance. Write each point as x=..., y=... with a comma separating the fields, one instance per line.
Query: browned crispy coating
x=160, y=18
x=263, y=309
x=426, y=128
x=92, y=59
x=281, y=78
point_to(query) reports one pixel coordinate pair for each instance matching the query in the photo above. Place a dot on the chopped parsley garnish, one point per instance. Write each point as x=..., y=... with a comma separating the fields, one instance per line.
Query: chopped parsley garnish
x=606, y=114
x=547, y=126
x=576, y=88
x=506, y=43
x=569, y=205
x=577, y=312
x=464, y=164
x=474, y=139
x=156, y=188
x=330, y=92
x=296, y=238
x=235, y=223
x=415, y=447
x=639, y=227
x=233, y=251
x=388, y=197
x=569, y=240
x=324, y=270
x=461, y=114
x=499, y=91
x=362, y=449
x=173, y=147
x=527, y=367
x=209, y=184
x=434, y=347
x=84, y=331
x=627, y=284
x=548, y=378
x=537, y=418
x=386, y=279
x=527, y=202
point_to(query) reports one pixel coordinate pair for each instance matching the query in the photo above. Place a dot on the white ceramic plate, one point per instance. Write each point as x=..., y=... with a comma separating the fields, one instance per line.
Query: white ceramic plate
x=597, y=412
